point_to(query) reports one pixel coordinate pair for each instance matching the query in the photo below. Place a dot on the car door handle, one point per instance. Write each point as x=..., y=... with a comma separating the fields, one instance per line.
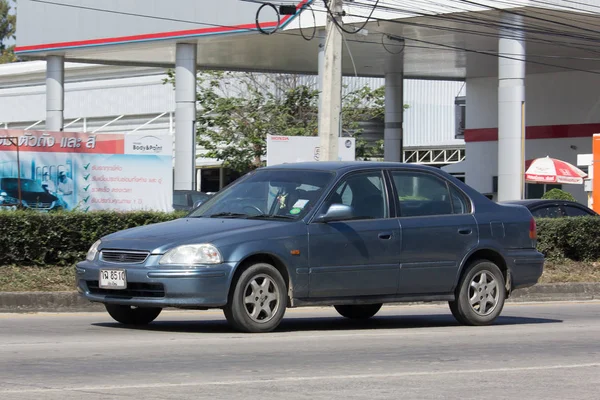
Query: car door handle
x=465, y=231
x=385, y=235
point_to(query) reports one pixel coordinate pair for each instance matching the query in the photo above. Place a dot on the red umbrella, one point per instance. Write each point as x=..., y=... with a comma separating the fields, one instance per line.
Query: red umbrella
x=551, y=170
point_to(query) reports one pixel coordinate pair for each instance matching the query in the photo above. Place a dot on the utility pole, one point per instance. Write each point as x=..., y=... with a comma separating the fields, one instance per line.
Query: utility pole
x=329, y=118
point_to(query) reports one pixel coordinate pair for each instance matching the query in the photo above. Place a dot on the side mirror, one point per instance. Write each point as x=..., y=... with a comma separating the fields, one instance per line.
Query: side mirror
x=336, y=212
x=198, y=203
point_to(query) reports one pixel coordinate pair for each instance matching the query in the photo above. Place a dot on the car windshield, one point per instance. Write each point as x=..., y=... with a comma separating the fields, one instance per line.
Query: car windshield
x=27, y=185
x=268, y=194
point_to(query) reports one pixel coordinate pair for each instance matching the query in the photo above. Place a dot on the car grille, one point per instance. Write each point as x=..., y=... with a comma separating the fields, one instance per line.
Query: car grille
x=134, y=289
x=124, y=257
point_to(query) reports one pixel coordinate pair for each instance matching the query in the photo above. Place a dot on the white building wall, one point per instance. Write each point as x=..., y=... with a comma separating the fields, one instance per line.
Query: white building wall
x=93, y=98
x=565, y=98
x=100, y=93
x=550, y=99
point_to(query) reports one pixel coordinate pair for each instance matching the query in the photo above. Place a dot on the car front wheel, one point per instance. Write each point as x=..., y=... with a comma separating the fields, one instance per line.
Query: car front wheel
x=480, y=295
x=129, y=315
x=258, y=300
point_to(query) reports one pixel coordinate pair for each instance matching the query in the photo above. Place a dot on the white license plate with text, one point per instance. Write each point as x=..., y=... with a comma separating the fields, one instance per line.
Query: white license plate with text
x=113, y=279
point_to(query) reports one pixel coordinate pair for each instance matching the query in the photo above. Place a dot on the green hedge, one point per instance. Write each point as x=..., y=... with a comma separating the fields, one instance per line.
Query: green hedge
x=33, y=239
x=37, y=239
x=576, y=239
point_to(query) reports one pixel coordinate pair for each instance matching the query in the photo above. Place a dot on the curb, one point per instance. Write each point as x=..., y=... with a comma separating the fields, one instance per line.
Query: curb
x=31, y=302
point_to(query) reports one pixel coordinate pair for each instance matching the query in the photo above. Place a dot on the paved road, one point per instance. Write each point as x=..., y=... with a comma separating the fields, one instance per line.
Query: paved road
x=536, y=351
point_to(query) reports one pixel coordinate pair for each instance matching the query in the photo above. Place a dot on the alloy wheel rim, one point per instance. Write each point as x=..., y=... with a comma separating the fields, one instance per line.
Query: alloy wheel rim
x=484, y=293
x=261, y=298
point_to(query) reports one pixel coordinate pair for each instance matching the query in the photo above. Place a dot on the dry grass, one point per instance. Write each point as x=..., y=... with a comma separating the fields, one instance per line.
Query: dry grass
x=57, y=279
x=37, y=279
x=570, y=271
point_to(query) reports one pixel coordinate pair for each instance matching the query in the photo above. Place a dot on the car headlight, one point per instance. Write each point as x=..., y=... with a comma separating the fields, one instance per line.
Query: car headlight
x=192, y=254
x=4, y=198
x=93, y=251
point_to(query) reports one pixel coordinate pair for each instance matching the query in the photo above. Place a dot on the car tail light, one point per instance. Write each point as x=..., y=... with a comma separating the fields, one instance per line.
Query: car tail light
x=532, y=229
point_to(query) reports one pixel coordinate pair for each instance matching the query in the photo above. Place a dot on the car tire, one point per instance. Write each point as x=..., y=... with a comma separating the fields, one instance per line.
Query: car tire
x=358, y=311
x=258, y=300
x=480, y=294
x=129, y=315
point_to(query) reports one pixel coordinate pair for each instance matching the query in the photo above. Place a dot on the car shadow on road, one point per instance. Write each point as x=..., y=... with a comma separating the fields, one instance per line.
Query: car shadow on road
x=306, y=324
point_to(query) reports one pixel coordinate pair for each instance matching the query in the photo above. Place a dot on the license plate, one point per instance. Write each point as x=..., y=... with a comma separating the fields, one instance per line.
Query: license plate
x=113, y=279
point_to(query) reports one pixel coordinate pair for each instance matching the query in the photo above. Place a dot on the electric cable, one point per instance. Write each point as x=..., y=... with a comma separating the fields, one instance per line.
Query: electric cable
x=335, y=21
x=314, y=33
x=383, y=36
x=260, y=29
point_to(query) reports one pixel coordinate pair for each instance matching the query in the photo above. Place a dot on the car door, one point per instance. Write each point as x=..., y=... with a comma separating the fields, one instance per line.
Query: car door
x=438, y=230
x=357, y=257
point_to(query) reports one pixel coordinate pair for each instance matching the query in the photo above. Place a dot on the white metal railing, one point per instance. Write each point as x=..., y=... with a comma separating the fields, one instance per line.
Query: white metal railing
x=434, y=156
x=107, y=124
x=34, y=124
x=151, y=121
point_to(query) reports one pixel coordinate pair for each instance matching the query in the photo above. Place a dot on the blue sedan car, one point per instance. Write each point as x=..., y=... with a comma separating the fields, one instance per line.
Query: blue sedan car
x=350, y=235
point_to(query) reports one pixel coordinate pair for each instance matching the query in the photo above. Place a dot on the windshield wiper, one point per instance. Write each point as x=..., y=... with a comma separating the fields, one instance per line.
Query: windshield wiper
x=228, y=215
x=267, y=216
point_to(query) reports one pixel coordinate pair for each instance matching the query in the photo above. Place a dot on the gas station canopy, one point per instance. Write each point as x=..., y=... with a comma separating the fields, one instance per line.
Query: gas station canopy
x=443, y=44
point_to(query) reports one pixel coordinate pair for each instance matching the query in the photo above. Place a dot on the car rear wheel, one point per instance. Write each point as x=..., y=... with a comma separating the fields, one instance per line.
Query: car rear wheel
x=132, y=315
x=258, y=300
x=358, y=311
x=480, y=295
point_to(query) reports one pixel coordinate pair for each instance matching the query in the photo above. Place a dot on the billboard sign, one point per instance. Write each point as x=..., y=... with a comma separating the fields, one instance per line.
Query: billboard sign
x=87, y=172
x=292, y=149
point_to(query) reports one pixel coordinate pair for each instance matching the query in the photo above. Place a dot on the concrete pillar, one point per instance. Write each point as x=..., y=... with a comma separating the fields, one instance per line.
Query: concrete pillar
x=394, y=108
x=55, y=93
x=185, y=116
x=511, y=103
x=321, y=35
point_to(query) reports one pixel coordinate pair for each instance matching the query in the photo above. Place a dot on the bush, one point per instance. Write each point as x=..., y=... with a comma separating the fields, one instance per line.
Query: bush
x=37, y=239
x=62, y=239
x=571, y=238
x=557, y=194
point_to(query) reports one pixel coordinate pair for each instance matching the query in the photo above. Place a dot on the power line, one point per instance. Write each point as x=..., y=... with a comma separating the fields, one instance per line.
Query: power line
x=492, y=23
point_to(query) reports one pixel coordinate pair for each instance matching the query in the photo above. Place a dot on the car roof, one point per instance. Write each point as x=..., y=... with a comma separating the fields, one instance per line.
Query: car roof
x=347, y=166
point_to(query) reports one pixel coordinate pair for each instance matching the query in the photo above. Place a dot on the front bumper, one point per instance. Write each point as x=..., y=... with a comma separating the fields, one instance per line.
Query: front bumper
x=148, y=286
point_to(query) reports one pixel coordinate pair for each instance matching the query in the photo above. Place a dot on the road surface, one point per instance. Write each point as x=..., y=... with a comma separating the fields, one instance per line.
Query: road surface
x=535, y=351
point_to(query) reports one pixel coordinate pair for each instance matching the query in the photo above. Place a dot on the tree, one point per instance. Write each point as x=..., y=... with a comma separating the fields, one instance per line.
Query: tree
x=7, y=31
x=558, y=194
x=236, y=112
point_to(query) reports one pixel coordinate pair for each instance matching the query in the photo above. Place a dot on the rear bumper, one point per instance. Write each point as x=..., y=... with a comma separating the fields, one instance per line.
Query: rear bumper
x=527, y=266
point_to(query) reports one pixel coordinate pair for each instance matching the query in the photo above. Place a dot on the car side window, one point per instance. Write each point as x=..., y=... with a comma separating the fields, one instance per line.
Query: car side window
x=547, y=212
x=421, y=194
x=460, y=204
x=180, y=199
x=365, y=193
x=576, y=212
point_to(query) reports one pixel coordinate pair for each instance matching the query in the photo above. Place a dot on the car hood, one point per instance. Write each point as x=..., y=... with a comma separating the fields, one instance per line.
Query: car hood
x=32, y=197
x=160, y=237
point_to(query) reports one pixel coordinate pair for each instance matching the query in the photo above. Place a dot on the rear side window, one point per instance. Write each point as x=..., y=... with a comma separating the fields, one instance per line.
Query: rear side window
x=421, y=194
x=576, y=212
x=460, y=203
x=180, y=199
